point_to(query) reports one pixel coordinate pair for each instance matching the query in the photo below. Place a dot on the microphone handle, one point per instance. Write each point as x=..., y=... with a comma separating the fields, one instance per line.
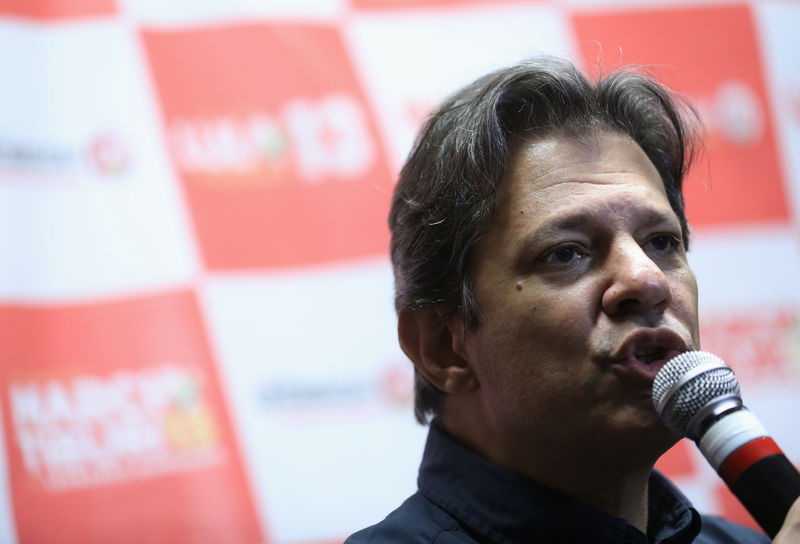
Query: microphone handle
x=753, y=467
x=768, y=488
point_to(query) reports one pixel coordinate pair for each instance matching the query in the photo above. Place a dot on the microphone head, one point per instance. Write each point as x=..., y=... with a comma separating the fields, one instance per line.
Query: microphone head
x=690, y=385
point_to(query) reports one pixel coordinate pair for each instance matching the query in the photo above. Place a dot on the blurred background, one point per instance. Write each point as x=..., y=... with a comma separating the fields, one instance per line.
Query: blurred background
x=197, y=336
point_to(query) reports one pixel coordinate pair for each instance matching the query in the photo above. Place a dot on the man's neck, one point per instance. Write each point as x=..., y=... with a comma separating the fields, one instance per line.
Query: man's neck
x=624, y=495
x=616, y=489
x=607, y=482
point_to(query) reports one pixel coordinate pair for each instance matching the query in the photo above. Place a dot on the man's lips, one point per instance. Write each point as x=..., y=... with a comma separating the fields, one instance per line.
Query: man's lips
x=645, y=351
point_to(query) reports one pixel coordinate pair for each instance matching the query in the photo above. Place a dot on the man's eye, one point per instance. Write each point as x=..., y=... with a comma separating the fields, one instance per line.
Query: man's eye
x=563, y=255
x=664, y=242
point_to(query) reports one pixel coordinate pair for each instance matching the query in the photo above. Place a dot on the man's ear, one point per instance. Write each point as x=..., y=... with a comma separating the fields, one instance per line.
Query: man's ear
x=435, y=344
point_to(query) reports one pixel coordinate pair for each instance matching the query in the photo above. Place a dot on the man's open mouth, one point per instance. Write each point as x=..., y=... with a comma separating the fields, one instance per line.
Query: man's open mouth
x=650, y=354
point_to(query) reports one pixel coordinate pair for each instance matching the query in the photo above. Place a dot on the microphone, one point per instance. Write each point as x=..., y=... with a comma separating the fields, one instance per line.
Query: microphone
x=697, y=395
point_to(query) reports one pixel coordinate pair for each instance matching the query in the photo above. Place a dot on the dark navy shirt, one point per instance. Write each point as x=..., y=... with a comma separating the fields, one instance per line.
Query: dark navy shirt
x=464, y=498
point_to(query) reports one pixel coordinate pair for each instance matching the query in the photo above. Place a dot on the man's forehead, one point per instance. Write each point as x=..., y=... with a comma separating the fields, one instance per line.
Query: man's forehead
x=561, y=163
x=560, y=176
x=558, y=155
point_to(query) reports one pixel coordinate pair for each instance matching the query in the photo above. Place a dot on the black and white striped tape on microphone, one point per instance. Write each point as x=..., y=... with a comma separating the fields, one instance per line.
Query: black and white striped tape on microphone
x=696, y=395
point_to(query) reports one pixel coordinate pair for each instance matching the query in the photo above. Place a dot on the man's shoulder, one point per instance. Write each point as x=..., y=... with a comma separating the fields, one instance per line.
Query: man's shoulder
x=416, y=521
x=720, y=531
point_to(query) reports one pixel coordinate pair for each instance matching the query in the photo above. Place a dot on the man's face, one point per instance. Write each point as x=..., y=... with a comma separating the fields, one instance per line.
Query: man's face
x=585, y=293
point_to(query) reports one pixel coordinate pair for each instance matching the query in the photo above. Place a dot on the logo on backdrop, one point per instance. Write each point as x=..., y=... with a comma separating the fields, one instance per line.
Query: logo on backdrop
x=105, y=155
x=759, y=343
x=93, y=430
x=733, y=112
x=279, y=154
x=793, y=100
x=108, y=153
x=321, y=139
x=391, y=385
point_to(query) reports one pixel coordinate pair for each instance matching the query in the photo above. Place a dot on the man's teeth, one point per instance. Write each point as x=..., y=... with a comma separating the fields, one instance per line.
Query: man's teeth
x=648, y=355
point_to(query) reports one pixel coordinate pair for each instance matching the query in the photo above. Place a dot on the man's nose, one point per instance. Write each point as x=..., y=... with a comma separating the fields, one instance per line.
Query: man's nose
x=637, y=284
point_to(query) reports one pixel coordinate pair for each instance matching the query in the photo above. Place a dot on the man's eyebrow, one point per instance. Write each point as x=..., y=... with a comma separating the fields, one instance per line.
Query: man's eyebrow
x=581, y=219
x=571, y=222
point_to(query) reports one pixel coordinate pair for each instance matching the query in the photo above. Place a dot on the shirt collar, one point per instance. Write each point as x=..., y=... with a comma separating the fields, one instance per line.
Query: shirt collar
x=504, y=506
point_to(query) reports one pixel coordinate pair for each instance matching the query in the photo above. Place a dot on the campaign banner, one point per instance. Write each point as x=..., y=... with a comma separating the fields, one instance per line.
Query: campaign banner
x=115, y=425
x=278, y=152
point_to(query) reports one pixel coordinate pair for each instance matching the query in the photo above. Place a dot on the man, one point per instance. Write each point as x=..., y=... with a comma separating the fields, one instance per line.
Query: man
x=539, y=248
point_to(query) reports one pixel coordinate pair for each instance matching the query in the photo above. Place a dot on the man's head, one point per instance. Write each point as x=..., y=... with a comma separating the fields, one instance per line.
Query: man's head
x=447, y=195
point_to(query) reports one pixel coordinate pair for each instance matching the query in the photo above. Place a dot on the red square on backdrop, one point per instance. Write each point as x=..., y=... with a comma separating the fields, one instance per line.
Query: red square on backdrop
x=273, y=140
x=115, y=424
x=56, y=9
x=711, y=56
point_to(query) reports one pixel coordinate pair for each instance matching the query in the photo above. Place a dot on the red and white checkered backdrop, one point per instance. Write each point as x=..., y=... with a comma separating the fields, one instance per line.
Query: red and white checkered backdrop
x=197, y=336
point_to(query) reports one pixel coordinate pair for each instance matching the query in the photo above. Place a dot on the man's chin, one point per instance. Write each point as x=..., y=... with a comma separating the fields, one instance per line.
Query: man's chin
x=646, y=442
x=662, y=440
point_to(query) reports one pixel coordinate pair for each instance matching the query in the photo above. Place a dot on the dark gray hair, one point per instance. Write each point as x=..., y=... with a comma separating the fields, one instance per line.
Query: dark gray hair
x=446, y=193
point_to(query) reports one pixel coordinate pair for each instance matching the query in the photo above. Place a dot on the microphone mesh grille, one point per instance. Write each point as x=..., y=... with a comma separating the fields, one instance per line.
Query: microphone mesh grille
x=695, y=393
